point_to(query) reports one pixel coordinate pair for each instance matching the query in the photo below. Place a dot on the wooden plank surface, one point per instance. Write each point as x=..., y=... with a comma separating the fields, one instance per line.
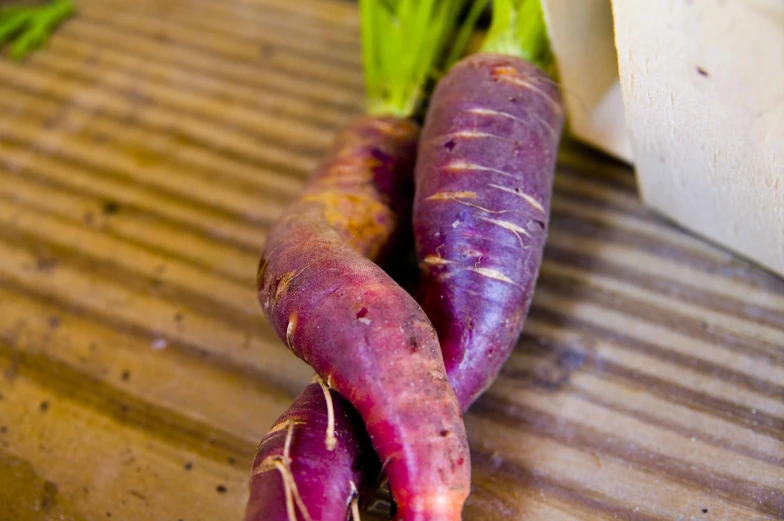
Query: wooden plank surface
x=142, y=158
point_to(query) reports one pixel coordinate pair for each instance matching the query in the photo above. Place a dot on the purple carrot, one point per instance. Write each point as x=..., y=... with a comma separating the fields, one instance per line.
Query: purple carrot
x=365, y=187
x=484, y=180
x=362, y=333
x=287, y=480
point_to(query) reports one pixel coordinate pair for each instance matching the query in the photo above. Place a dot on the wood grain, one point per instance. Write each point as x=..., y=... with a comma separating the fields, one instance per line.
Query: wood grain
x=143, y=156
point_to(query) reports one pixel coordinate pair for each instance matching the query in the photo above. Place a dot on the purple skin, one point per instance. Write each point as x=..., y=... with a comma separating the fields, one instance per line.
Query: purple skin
x=324, y=478
x=484, y=180
x=362, y=333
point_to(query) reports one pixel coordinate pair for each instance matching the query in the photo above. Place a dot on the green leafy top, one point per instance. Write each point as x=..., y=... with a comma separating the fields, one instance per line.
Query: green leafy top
x=28, y=27
x=402, y=41
x=518, y=29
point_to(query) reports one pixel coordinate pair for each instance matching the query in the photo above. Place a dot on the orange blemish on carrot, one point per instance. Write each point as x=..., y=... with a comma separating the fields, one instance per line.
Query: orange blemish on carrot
x=503, y=70
x=359, y=217
x=448, y=196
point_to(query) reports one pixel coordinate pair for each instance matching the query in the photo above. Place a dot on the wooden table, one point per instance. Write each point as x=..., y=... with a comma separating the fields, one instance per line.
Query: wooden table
x=142, y=158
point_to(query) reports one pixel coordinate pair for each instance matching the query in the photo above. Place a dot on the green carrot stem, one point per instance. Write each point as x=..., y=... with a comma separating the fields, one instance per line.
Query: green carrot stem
x=518, y=29
x=28, y=28
x=402, y=43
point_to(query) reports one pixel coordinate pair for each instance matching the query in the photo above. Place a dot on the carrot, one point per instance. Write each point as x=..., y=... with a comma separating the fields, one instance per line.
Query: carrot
x=484, y=177
x=371, y=342
x=363, y=334
x=304, y=467
x=484, y=180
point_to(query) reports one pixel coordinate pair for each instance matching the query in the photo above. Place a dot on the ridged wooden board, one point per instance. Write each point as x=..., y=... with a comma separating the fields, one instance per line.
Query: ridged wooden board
x=143, y=156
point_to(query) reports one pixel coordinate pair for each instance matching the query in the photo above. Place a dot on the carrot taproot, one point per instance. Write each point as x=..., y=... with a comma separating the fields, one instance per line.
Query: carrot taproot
x=484, y=179
x=365, y=336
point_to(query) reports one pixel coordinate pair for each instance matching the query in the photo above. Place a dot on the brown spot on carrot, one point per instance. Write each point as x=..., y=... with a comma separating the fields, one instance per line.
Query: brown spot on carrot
x=434, y=260
x=44, y=406
x=221, y=489
x=282, y=284
x=446, y=196
x=46, y=264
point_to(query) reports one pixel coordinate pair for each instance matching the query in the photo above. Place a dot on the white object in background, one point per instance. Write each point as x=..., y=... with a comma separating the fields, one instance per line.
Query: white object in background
x=703, y=88
x=581, y=37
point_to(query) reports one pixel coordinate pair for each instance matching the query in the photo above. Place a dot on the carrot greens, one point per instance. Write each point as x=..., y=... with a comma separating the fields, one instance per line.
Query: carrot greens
x=518, y=29
x=402, y=43
x=28, y=27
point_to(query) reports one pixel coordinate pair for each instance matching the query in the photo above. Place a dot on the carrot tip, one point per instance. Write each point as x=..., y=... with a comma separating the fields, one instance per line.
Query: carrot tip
x=445, y=506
